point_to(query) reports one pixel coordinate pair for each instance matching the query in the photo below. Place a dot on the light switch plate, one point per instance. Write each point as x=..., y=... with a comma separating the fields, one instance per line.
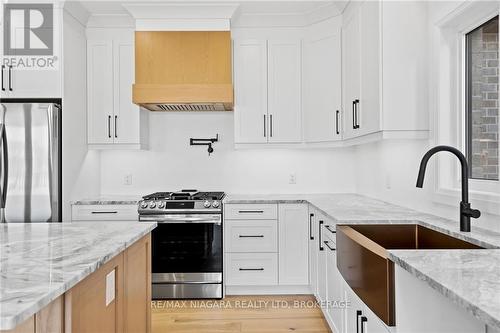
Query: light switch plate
x=110, y=287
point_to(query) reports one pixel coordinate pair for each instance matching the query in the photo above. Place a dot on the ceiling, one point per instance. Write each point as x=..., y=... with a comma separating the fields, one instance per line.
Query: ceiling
x=257, y=7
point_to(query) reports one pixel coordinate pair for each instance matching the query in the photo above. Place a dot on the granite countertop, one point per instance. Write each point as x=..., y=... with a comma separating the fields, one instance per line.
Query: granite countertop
x=452, y=273
x=109, y=200
x=41, y=261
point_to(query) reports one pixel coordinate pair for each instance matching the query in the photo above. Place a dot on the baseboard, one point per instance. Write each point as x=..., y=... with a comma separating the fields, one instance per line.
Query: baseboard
x=268, y=290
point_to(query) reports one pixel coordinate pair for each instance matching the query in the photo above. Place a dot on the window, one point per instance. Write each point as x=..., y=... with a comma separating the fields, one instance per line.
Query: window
x=482, y=103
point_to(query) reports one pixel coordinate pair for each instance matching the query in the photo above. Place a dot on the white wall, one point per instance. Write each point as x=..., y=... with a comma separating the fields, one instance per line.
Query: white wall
x=172, y=164
x=80, y=167
x=388, y=170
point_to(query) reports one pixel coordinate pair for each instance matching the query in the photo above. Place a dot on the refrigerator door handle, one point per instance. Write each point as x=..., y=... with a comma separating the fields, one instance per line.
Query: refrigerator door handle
x=4, y=164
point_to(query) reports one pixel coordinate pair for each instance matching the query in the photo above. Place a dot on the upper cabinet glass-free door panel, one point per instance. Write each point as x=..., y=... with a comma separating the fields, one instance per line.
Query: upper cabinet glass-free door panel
x=250, y=85
x=284, y=92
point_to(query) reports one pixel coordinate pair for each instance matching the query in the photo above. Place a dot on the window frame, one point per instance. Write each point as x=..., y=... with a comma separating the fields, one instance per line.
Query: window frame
x=447, y=102
x=467, y=102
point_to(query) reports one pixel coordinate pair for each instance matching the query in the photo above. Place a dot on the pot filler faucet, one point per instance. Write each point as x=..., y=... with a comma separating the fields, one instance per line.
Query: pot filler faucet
x=465, y=211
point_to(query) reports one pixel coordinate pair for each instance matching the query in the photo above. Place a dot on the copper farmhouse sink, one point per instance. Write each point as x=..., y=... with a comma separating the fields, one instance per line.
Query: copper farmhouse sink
x=363, y=261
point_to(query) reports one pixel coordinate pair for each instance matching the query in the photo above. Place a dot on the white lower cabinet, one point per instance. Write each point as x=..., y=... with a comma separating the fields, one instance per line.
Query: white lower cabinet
x=251, y=269
x=293, y=244
x=82, y=213
x=313, y=250
x=416, y=300
x=266, y=245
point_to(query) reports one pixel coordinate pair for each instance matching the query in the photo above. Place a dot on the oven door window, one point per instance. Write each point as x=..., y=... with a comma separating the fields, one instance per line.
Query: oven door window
x=187, y=248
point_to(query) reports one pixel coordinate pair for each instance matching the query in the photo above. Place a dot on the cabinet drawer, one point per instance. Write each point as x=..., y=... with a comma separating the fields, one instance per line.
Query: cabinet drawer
x=251, y=236
x=251, y=211
x=251, y=269
x=104, y=213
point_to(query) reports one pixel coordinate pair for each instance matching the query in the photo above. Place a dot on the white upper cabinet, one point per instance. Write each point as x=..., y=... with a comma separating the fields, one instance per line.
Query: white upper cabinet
x=379, y=94
x=322, y=83
x=250, y=84
x=114, y=122
x=284, y=91
x=267, y=76
x=31, y=75
x=361, y=70
x=100, y=91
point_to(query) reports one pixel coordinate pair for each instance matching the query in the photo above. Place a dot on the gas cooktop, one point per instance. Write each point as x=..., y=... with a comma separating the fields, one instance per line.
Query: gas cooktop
x=184, y=201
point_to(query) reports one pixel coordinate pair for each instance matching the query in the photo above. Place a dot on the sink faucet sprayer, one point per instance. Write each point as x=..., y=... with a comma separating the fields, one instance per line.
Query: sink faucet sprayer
x=466, y=212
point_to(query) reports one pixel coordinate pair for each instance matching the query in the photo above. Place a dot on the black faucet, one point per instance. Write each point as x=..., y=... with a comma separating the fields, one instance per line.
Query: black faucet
x=465, y=211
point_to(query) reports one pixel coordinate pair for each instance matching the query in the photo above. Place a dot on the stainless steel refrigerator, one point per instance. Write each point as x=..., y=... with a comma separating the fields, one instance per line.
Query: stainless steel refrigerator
x=30, y=166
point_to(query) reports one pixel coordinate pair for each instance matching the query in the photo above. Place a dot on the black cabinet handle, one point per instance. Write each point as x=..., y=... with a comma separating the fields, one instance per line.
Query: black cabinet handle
x=329, y=229
x=3, y=69
x=251, y=236
x=10, y=78
x=116, y=132
x=251, y=269
x=250, y=211
x=319, y=237
x=328, y=246
x=363, y=321
x=358, y=314
x=264, y=125
x=337, y=113
x=109, y=126
x=354, y=114
x=271, y=125
x=311, y=236
x=104, y=212
x=356, y=103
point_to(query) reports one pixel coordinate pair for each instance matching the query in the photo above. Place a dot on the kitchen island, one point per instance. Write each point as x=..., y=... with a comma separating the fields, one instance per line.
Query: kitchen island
x=69, y=277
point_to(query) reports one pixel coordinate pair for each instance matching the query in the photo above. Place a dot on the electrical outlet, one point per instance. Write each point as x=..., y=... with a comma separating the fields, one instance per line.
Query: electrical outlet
x=292, y=179
x=127, y=180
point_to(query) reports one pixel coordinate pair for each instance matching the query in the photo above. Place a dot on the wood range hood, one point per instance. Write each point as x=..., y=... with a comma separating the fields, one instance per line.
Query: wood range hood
x=183, y=71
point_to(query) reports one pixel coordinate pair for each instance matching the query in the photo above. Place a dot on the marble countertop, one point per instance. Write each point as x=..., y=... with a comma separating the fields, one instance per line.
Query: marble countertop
x=41, y=261
x=469, y=278
x=109, y=200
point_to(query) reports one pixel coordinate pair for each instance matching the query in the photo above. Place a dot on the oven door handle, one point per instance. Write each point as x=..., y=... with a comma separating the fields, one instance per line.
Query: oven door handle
x=210, y=219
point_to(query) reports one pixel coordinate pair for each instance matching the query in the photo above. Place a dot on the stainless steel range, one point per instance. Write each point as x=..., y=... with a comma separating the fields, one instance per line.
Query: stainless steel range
x=186, y=245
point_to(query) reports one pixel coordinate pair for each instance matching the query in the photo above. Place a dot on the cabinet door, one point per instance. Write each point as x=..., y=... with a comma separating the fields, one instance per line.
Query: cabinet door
x=3, y=69
x=334, y=287
x=250, y=85
x=126, y=117
x=284, y=91
x=354, y=312
x=100, y=91
x=351, y=40
x=137, y=286
x=313, y=251
x=322, y=89
x=369, y=104
x=41, y=75
x=293, y=244
x=322, y=258
x=87, y=302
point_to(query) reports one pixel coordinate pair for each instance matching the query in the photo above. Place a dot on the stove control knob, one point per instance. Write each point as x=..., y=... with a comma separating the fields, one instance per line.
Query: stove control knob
x=215, y=204
x=206, y=204
x=144, y=204
x=161, y=205
x=152, y=204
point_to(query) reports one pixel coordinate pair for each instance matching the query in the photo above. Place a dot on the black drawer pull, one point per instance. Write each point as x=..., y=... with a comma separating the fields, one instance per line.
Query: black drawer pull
x=358, y=314
x=328, y=246
x=251, y=236
x=250, y=211
x=329, y=229
x=104, y=212
x=363, y=321
x=251, y=269
x=3, y=87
